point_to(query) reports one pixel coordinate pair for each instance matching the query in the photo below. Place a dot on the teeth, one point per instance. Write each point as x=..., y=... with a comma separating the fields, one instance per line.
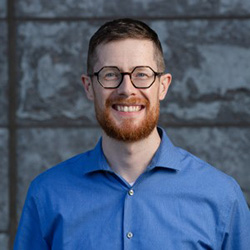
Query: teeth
x=128, y=108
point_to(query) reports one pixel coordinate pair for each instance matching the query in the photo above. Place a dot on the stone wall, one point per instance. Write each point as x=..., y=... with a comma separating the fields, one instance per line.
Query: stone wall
x=45, y=117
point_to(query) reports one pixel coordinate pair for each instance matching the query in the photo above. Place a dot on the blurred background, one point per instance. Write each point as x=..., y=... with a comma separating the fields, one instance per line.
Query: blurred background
x=45, y=117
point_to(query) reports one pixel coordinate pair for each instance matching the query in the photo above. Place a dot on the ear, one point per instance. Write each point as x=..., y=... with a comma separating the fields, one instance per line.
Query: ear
x=165, y=82
x=87, y=84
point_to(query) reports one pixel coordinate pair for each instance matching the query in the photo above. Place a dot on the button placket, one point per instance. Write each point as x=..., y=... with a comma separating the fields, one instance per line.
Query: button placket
x=130, y=234
x=128, y=218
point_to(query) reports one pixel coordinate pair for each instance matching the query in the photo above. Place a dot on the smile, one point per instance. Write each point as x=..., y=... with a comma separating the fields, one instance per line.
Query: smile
x=130, y=108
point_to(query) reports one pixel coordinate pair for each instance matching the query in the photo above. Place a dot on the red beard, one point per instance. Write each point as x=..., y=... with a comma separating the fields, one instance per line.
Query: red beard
x=126, y=131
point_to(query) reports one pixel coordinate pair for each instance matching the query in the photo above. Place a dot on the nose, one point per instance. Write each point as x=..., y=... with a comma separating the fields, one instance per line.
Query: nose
x=126, y=88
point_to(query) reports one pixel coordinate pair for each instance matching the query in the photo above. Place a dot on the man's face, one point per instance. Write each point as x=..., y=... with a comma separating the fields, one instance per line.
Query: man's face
x=127, y=113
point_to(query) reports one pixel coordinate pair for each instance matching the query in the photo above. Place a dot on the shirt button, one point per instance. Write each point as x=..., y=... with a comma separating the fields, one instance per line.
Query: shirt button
x=130, y=235
x=131, y=192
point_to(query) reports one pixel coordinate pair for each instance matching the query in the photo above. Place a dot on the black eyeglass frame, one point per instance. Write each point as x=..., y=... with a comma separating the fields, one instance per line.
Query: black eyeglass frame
x=126, y=73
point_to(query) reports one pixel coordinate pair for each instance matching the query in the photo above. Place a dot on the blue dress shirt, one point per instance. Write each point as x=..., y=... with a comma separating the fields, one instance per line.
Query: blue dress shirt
x=179, y=203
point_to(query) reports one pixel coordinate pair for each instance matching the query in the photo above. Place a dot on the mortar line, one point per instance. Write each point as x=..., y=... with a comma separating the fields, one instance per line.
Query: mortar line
x=167, y=125
x=146, y=18
x=12, y=123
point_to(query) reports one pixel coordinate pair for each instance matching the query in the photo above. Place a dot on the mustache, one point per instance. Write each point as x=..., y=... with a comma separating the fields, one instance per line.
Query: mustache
x=126, y=101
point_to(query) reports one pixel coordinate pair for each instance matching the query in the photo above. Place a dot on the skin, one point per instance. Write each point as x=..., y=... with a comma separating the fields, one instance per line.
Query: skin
x=128, y=159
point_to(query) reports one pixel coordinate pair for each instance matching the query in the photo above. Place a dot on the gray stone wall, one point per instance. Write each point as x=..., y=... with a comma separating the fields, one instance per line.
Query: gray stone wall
x=45, y=117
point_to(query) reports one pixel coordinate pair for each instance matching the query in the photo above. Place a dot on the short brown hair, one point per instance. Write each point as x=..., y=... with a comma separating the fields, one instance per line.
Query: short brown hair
x=120, y=29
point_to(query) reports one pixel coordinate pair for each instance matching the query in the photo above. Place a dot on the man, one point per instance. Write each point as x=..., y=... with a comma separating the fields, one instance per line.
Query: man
x=134, y=190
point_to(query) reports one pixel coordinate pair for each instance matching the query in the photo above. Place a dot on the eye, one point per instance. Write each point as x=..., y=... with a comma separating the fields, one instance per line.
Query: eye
x=141, y=75
x=110, y=75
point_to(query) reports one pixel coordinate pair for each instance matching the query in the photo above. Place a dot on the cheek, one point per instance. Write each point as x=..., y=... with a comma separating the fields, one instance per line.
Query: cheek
x=99, y=103
x=98, y=95
x=153, y=95
x=100, y=99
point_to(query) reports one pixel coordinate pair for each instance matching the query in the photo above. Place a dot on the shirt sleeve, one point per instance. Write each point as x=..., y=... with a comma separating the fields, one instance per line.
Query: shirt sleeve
x=237, y=231
x=29, y=233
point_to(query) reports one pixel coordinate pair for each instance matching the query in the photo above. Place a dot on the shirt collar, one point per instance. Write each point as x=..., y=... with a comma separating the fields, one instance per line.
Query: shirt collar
x=95, y=160
x=166, y=156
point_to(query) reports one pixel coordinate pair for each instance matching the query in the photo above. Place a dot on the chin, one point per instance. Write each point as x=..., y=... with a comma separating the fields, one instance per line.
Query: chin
x=128, y=131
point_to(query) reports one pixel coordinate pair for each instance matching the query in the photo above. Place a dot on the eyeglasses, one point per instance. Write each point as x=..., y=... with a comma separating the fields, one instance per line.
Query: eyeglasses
x=142, y=77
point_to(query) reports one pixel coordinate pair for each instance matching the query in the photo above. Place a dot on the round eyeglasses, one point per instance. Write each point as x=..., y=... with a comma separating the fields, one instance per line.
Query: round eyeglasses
x=142, y=77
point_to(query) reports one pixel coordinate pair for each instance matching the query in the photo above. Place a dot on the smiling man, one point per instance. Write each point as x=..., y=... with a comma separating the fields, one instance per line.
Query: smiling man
x=135, y=189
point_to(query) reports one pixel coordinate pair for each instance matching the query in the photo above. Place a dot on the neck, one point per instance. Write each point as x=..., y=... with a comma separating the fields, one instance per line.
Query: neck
x=131, y=159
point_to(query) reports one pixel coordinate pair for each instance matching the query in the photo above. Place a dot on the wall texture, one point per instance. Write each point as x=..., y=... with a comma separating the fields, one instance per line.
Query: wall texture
x=45, y=117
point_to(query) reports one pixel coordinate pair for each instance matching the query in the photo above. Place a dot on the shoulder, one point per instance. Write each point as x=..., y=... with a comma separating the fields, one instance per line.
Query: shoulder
x=219, y=190
x=217, y=196
x=209, y=179
x=61, y=173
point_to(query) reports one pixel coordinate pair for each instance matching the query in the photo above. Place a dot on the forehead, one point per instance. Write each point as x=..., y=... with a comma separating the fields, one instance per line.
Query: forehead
x=126, y=54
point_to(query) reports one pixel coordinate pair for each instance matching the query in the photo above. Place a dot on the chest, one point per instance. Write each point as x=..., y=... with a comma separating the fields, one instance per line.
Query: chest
x=131, y=218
